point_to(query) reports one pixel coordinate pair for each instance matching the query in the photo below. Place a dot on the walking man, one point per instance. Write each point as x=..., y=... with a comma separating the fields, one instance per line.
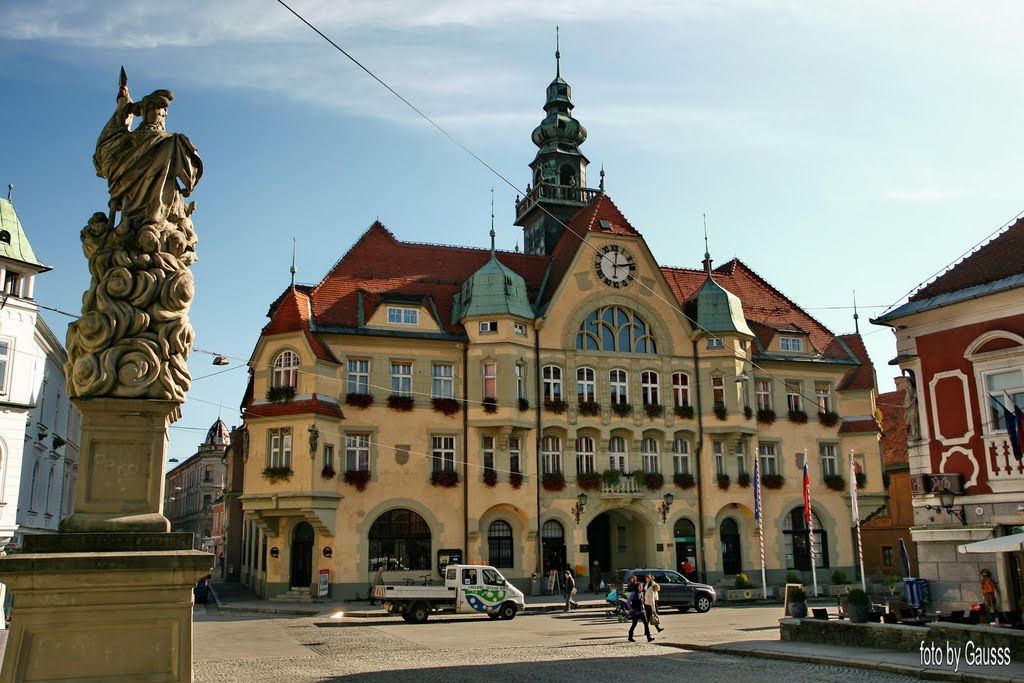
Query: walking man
x=635, y=601
x=378, y=580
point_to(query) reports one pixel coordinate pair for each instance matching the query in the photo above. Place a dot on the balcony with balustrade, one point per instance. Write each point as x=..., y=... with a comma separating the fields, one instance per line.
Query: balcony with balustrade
x=569, y=195
x=1005, y=472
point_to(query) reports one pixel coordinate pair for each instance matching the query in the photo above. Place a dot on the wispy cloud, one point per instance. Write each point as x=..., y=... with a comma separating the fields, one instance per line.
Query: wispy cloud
x=923, y=194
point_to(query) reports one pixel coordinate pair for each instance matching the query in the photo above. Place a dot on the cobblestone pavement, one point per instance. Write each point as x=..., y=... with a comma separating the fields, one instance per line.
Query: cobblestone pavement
x=393, y=652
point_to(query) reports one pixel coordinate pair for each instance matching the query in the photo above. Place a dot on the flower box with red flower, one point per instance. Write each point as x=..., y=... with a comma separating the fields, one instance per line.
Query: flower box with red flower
x=743, y=480
x=445, y=406
x=327, y=472
x=772, y=481
x=553, y=481
x=828, y=419
x=590, y=408
x=835, y=482
x=589, y=481
x=358, y=400
x=653, y=481
x=684, y=481
x=444, y=479
x=723, y=481
x=490, y=478
x=515, y=479
x=401, y=403
x=357, y=478
x=554, y=405
x=490, y=404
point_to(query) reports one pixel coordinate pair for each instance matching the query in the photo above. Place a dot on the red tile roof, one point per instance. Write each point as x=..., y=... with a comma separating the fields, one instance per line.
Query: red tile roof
x=894, y=427
x=861, y=377
x=296, y=407
x=1000, y=258
x=290, y=313
x=380, y=266
x=866, y=424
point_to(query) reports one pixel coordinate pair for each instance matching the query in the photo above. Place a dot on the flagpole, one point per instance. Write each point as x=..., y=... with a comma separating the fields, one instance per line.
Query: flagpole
x=760, y=519
x=855, y=508
x=809, y=520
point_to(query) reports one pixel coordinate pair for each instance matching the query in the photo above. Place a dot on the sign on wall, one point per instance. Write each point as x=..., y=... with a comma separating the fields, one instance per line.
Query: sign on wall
x=324, y=584
x=447, y=556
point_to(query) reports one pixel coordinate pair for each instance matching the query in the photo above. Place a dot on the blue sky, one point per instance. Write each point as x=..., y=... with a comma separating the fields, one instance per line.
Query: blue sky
x=834, y=146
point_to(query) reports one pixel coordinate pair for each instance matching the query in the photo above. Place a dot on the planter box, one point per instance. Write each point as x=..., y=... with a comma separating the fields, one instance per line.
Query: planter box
x=741, y=594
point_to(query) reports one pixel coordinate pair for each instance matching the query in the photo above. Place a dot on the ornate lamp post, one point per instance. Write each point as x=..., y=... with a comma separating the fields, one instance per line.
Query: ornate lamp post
x=666, y=506
x=577, y=510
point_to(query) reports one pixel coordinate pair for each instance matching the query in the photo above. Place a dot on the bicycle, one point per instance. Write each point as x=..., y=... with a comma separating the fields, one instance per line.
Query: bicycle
x=427, y=580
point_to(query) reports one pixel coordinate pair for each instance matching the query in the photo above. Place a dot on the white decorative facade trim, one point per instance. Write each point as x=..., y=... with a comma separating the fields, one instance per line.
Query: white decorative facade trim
x=969, y=454
x=934, y=408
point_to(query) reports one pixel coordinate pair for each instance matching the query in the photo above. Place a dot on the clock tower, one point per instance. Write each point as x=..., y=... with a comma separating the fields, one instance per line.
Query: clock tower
x=558, y=188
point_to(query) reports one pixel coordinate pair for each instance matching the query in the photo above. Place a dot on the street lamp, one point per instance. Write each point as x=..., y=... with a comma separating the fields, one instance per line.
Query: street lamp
x=946, y=498
x=577, y=510
x=666, y=506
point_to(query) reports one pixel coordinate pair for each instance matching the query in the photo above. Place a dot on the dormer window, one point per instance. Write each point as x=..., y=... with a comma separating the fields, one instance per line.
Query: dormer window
x=489, y=327
x=5, y=236
x=716, y=343
x=791, y=343
x=400, y=315
x=519, y=328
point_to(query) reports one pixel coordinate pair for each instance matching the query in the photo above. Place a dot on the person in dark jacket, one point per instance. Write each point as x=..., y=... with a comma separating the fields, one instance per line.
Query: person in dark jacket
x=636, y=608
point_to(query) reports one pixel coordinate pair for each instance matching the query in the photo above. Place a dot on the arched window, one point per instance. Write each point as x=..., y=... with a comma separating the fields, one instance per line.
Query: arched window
x=680, y=389
x=649, y=388
x=797, y=541
x=614, y=328
x=685, y=534
x=680, y=456
x=286, y=370
x=551, y=454
x=552, y=537
x=586, y=385
x=584, y=454
x=649, y=455
x=617, y=455
x=499, y=544
x=49, y=491
x=399, y=540
x=552, y=375
x=732, y=562
x=618, y=386
x=32, y=491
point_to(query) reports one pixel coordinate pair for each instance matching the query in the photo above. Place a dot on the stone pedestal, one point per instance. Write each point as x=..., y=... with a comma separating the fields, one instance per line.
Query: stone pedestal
x=102, y=607
x=121, y=480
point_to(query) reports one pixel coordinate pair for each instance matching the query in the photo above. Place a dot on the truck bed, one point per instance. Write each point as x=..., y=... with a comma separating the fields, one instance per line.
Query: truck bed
x=400, y=593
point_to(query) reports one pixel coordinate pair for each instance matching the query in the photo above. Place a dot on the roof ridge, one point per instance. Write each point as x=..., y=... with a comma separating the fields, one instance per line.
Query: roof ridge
x=375, y=225
x=747, y=269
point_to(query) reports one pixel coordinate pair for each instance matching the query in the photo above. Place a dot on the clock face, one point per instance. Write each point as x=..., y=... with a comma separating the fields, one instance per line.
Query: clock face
x=615, y=266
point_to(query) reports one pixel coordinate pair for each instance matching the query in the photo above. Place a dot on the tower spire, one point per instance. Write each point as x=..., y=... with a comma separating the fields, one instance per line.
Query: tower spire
x=601, y=185
x=492, y=222
x=707, y=253
x=293, y=264
x=856, y=325
x=558, y=56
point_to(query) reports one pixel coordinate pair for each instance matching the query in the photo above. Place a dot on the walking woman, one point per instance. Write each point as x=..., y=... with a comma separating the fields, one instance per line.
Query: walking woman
x=651, y=589
x=569, y=590
x=636, y=608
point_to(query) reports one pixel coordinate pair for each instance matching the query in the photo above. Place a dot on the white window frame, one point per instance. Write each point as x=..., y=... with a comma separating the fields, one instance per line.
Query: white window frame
x=489, y=370
x=768, y=452
x=279, y=447
x=680, y=456
x=618, y=453
x=358, y=378
x=586, y=384
x=401, y=378
x=487, y=452
x=618, y=386
x=763, y=394
x=357, y=451
x=718, y=449
x=791, y=344
x=823, y=394
x=520, y=380
x=329, y=455
x=552, y=378
x=551, y=455
x=6, y=347
x=717, y=390
x=285, y=369
x=515, y=454
x=829, y=459
x=443, y=384
x=681, y=389
x=403, y=315
x=741, y=458
x=584, y=454
x=995, y=422
x=488, y=327
x=442, y=453
x=650, y=383
x=519, y=329
x=715, y=343
x=650, y=455
x=794, y=395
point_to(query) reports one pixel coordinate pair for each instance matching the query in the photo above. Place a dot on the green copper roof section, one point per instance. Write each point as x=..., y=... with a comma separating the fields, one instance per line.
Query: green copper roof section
x=13, y=242
x=493, y=290
x=719, y=310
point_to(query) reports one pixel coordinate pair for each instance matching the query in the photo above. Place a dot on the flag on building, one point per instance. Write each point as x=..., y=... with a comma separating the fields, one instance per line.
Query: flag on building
x=807, y=492
x=1020, y=431
x=757, y=489
x=854, y=506
x=1013, y=427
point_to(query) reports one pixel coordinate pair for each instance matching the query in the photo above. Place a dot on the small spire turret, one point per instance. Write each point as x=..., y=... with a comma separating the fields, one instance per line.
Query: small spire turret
x=292, y=269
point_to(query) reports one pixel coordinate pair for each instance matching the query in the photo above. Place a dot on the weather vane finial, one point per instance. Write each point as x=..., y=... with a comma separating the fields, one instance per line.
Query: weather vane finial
x=492, y=221
x=293, y=264
x=856, y=325
x=558, y=56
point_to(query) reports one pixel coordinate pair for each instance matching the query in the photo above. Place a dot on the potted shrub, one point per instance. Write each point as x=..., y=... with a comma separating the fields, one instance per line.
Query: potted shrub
x=862, y=480
x=858, y=605
x=772, y=481
x=553, y=481
x=654, y=410
x=357, y=400
x=797, y=603
x=742, y=581
x=445, y=406
x=401, y=403
x=653, y=481
x=590, y=408
x=684, y=481
x=743, y=480
x=280, y=394
x=490, y=478
x=828, y=419
x=554, y=405
x=748, y=412
x=639, y=477
x=891, y=582
x=797, y=417
x=490, y=404
x=515, y=479
x=765, y=416
x=723, y=481
x=327, y=472
x=276, y=474
x=721, y=412
x=357, y=478
x=839, y=577
x=444, y=479
x=793, y=577
x=589, y=481
x=684, y=412
x=835, y=482
x=524, y=405
x=611, y=477
x=622, y=409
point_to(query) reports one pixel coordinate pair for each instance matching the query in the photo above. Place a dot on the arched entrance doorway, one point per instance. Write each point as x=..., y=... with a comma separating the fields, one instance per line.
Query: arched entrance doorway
x=598, y=540
x=553, y=541
x=302, y=556
x=686, y=545
x=732, y=562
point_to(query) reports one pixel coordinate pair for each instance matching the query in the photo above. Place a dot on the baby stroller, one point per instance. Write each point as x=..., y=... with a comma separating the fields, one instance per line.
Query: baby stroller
x=619, y=609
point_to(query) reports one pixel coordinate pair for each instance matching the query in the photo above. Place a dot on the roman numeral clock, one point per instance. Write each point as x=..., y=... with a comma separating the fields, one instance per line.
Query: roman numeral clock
x=615, y=266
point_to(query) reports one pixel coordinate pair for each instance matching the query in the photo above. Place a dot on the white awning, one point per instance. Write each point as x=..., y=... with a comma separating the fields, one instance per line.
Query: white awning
x=1002, y=544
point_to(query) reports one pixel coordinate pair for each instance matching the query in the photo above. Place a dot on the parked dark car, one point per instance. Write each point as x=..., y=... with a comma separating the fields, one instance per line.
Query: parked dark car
x=201, y=591
x=676, y=589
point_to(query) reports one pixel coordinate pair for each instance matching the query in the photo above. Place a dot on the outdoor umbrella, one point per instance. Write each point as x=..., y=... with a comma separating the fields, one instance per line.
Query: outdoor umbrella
x=904, y=559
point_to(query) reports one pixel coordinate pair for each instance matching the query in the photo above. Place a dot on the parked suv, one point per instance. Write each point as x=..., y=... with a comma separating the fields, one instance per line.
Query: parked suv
x=676, y=589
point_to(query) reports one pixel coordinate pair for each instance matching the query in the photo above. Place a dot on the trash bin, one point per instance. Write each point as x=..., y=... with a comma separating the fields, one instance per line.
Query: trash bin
x=535, y=584
x=914, y=592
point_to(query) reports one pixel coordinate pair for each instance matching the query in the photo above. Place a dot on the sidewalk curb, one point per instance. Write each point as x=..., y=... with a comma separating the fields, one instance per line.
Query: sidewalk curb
x=901, y=669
